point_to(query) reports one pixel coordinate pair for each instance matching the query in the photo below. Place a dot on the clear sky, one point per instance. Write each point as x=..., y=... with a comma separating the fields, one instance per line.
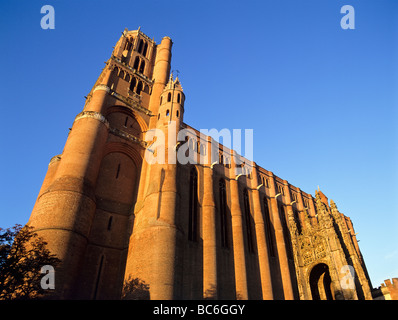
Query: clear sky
x=322, y=101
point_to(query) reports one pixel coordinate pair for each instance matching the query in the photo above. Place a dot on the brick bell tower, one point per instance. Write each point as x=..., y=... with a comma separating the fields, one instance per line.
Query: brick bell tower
x=85, y=207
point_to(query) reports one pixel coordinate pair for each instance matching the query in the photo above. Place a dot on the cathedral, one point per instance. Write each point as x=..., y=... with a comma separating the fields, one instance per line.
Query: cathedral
x=223, y=227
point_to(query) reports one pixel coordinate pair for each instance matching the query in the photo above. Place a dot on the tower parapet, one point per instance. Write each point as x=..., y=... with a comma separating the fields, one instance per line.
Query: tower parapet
x=390, y=290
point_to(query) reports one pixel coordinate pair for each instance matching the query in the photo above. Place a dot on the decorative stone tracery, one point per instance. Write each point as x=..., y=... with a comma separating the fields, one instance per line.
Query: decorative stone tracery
x=324, y=239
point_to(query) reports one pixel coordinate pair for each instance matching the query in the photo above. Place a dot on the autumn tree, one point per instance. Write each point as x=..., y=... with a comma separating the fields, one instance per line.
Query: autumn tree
x=22, y=255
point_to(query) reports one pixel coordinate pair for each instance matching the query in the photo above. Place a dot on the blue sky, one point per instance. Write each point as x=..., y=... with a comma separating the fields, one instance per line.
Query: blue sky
x=322, y=101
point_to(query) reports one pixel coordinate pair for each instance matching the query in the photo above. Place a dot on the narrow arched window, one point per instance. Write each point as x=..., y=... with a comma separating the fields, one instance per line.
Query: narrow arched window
x=167, y=112
x=161, y=98
x=139, y=87
x=178, y=98
x=269, y=231
x=136, y=63
x=169, y=97
x=248, y=219
x=142, y=67
x=190, y=144
x=177, y=114
x=140, y=46
x=127, y=45
x=223, y=213
x=144, y=51
x=193, y=206
x=132, y=84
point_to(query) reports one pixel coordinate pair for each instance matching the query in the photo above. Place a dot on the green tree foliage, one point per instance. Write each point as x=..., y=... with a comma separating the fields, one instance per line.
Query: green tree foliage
x=135, y=289
x=22, y=255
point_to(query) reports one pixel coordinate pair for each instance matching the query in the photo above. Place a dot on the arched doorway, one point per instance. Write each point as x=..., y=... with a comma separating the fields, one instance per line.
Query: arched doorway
x=320, y=283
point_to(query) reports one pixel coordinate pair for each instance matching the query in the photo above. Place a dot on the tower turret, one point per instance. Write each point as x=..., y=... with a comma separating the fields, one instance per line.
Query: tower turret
x=171, y=103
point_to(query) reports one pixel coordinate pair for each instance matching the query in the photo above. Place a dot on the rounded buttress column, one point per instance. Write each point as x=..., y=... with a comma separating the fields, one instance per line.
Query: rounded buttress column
x=64, y=211
x=237, y=236
x=209, y=232
x=161, y=72
x=281, y=246
x=262, y=248
x=154, y=254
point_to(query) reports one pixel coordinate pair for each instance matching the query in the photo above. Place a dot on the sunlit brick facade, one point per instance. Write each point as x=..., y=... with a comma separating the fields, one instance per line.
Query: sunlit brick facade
x=187, y=231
